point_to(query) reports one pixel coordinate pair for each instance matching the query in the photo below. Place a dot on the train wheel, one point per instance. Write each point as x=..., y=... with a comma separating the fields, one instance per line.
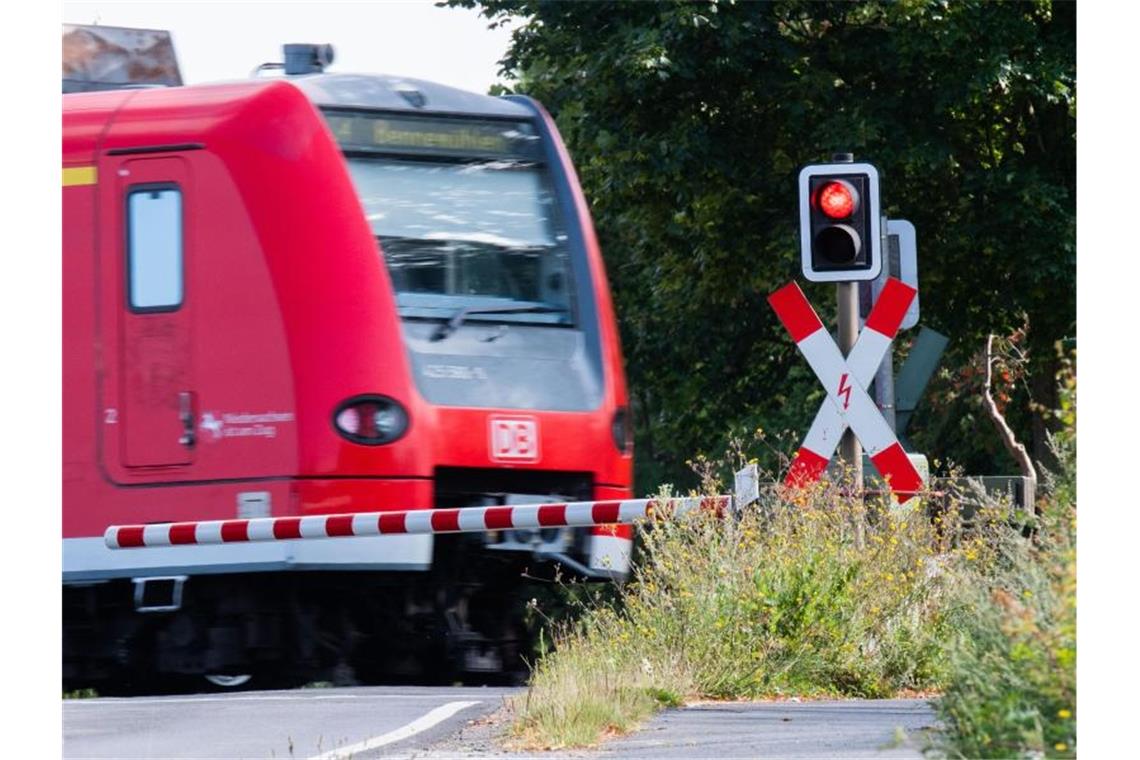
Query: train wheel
x=227, y=682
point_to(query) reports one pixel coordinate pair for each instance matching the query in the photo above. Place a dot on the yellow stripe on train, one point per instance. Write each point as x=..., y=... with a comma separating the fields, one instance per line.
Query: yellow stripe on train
x=78, y=175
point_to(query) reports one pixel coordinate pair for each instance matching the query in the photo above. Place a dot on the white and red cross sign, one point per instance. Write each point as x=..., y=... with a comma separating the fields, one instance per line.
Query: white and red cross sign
x=846, y=381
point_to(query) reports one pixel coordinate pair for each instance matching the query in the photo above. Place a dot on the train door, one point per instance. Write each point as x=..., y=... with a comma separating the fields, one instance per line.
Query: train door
x=150, y=389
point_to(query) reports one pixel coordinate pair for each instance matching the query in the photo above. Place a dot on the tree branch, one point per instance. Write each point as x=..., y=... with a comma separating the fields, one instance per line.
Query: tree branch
x=1016, y=450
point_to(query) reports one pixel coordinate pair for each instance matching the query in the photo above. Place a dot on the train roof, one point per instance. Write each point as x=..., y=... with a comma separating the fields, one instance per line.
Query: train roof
x=352, y=91
x=392, y=93
x=177, y=113
x=165, y=116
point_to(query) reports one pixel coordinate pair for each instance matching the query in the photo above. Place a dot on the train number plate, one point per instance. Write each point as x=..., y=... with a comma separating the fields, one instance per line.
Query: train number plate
x=514, y=439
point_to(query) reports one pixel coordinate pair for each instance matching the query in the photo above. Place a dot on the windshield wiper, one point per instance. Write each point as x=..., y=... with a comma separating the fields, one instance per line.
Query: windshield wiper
x=459, y=317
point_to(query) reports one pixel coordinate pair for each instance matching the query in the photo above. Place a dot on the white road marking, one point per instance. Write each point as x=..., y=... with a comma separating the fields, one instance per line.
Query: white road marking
x=438, y=715
x=132, y=701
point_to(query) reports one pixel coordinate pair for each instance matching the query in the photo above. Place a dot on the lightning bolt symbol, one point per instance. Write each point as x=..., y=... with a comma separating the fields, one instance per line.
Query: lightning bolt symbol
x=844, y=390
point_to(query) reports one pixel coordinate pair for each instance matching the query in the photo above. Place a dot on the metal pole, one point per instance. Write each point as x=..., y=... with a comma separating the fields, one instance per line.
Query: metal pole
x=850, y=451
x=885, y=391
x=847, y=298
x=885, y=375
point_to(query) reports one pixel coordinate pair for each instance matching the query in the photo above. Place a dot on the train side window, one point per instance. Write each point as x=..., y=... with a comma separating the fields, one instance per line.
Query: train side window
x=154, y=248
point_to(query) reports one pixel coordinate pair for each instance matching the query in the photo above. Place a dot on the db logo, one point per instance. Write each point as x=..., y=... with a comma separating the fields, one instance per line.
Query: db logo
x=514, y=439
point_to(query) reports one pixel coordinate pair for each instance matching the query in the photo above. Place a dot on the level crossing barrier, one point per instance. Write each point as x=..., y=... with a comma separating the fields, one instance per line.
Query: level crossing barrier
x=458, y=520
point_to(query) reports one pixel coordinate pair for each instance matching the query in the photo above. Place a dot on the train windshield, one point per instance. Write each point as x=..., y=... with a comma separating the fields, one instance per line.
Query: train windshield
x=466, y=216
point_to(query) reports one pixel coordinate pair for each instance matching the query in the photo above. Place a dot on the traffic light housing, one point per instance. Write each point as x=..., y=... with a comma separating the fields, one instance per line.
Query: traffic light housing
x=840, y=222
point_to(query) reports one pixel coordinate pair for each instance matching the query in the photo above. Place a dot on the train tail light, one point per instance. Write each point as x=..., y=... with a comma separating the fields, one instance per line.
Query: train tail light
x=622, y=429
x=371, y=420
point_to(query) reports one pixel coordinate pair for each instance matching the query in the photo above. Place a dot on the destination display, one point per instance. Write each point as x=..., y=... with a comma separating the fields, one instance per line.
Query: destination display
x=427, y=135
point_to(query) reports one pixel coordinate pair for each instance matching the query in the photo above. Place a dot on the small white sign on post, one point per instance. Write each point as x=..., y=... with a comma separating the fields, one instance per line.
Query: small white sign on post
x=901, y=238
x=747, y=487
x=900, y=260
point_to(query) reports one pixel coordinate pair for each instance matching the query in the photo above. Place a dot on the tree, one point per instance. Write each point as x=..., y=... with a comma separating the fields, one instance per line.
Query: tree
x=688, y=122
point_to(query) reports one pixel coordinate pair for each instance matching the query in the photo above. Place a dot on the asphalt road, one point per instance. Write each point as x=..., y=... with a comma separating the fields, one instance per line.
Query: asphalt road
x=891, y=729
x=329, y=724
x=427, y=723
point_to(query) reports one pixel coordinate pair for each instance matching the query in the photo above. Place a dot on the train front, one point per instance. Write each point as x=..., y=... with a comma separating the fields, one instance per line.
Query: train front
x=505, y=311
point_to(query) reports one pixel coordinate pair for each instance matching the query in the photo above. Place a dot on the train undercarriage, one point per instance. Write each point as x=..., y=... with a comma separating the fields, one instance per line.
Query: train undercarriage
x=462, y=621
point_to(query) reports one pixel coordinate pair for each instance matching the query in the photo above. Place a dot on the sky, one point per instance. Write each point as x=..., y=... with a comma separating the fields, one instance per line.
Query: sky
x=227, y=40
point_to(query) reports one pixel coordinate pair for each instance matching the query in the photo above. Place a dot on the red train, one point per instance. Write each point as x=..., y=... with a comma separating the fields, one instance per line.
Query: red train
x=325, y=293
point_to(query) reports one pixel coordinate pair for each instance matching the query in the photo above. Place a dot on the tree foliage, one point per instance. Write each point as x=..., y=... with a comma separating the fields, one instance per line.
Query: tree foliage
x=689, y=121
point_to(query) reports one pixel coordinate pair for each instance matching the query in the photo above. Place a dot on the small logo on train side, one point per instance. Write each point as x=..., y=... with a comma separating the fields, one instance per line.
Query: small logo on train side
x=242, y=424
x=212, y=425
x=514, y=439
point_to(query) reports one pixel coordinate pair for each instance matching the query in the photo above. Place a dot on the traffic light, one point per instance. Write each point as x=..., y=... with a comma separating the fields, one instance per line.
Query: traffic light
x=839, y=222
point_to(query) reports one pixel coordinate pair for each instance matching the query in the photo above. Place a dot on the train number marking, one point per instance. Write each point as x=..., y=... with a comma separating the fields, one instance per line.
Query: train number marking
x=111, y=416
x=514, y=439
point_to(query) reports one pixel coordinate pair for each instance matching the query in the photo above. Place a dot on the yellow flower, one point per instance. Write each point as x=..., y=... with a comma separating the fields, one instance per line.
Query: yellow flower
x=1063, y=713
x=1060, y=746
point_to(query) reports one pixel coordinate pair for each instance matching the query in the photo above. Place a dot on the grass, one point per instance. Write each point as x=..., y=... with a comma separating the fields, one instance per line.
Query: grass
x=790, y=599
x=589, y=690
x=1012, y=686
x=80, y=694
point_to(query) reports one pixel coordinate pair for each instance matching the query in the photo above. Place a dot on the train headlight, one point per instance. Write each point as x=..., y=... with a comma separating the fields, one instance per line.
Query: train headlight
x=370, y=420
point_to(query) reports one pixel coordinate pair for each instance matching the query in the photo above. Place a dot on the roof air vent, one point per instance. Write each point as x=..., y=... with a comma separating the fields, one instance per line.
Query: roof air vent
x=414, y=97
x=307, y=59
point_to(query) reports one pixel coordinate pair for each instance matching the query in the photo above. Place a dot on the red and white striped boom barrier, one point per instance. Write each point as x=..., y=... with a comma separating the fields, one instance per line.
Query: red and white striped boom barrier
x=459, y=520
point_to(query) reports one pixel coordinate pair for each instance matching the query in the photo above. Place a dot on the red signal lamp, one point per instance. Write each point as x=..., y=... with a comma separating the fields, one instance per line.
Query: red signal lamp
x=840, y=221
x=837, y=200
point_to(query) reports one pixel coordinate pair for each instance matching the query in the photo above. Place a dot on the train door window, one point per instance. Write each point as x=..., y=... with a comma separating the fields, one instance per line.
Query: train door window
x=154, y=248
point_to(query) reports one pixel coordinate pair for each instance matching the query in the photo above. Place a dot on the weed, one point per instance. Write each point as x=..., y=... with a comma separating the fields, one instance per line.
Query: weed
x=1012, y=690
x=80, y=694
x=813, y=593
x=783, y=600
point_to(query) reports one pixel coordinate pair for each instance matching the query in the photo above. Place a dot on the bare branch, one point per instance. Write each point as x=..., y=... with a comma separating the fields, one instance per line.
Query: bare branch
x=1016, y=450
